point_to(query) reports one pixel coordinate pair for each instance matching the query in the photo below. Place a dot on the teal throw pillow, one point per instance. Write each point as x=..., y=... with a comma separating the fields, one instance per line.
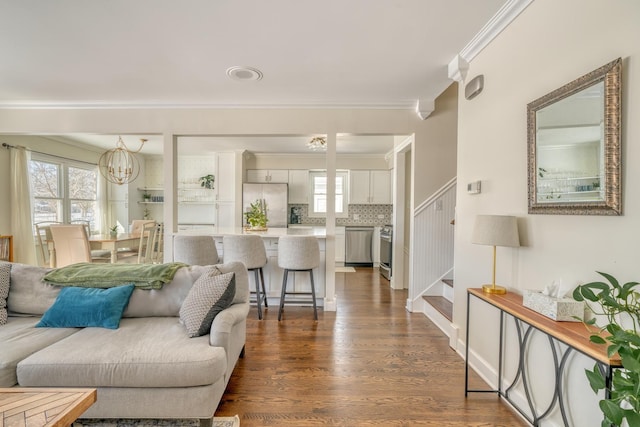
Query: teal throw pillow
x=77, y=307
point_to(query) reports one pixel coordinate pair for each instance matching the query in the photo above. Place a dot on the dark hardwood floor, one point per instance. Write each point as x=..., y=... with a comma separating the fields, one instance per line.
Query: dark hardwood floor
x=371, y=363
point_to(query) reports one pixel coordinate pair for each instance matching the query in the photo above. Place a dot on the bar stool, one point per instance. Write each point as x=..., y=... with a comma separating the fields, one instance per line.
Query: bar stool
x=250, y=251
x=195, y=250
x=298, y=253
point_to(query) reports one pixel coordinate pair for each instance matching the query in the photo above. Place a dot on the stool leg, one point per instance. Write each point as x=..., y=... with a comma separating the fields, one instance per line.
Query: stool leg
x=264, y=291
x=258, y=297
x=283, y=292
x=313, y=296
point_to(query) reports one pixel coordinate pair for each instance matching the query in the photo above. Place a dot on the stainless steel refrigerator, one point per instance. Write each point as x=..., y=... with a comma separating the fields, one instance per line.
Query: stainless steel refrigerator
x=275, y=195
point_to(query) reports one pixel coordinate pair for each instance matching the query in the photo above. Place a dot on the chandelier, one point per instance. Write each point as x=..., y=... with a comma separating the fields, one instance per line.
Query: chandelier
x=120, y=165
x=318, y=143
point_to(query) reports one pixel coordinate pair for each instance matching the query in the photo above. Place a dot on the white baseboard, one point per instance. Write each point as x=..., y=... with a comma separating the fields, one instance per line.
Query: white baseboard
x=438, y=319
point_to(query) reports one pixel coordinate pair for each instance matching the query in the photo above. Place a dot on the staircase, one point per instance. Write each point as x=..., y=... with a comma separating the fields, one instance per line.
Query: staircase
x=443, y=303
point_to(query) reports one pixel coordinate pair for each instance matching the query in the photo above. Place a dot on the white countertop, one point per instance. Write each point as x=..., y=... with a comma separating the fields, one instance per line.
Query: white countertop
x=318, y=232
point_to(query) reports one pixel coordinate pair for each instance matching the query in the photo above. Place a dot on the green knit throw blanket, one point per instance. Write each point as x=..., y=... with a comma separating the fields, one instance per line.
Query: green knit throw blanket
x=88, y=275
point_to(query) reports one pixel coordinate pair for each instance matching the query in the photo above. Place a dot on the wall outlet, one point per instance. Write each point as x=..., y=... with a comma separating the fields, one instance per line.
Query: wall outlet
x=439, y=204
x=381, y=216
x=356, y=216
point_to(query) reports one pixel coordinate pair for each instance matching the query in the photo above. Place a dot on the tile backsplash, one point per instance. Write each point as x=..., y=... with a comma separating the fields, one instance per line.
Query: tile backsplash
x=358, y=215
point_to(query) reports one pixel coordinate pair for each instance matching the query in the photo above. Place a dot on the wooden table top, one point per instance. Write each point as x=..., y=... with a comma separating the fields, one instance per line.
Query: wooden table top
x=39, y=407
x=574, y=334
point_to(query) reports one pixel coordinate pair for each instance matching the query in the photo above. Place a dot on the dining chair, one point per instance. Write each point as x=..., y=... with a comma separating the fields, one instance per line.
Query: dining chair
x=138, y=224
x=147, y=243
x=97, y=255
x=158, y=246
x=71, y=244
x=43, y=234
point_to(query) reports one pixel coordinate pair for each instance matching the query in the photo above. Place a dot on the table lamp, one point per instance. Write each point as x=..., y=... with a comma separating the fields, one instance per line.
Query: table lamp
x=495, y=230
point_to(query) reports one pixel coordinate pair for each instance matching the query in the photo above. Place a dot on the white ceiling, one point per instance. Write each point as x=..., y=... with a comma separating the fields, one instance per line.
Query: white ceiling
x=167, y=53
x=363, y=53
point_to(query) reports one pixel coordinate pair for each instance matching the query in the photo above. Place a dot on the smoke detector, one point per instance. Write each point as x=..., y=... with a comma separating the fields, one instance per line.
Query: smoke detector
x=244, y=73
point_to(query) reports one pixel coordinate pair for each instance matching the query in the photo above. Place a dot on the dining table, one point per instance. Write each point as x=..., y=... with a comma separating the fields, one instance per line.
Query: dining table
x=107, y=242
x=113, y=243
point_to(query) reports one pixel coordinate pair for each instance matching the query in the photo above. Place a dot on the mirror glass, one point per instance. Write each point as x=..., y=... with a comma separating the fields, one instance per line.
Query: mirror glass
x=574, y=146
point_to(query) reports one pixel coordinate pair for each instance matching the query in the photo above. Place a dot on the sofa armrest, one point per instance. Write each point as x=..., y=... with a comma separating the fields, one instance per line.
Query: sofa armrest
x=223, y=323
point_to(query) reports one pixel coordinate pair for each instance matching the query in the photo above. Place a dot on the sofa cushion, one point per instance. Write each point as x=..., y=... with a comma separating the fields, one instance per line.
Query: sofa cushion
x=166, y=301
x=18, y=339
x=82, y=307
x=143, y=352
x=212, y=293
x=28, y=294
x=5, y=276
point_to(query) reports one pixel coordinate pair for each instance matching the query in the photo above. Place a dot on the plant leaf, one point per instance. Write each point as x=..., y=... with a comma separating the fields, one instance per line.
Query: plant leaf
x=611, y=279
x=597, y=339
x=596, y=380
x=612, y=411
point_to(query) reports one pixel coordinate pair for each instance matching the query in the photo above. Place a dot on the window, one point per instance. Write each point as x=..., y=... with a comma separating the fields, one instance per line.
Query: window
x=318, y=189
x=64, y=191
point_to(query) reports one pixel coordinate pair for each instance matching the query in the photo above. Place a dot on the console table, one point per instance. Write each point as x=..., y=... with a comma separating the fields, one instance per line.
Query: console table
x=574, y=335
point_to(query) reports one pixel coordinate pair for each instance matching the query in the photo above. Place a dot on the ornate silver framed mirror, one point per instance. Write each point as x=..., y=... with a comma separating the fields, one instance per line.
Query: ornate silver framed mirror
x=574, y=153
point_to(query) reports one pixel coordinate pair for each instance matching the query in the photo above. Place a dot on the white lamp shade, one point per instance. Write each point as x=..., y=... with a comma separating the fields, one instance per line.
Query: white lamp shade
x=496, y=230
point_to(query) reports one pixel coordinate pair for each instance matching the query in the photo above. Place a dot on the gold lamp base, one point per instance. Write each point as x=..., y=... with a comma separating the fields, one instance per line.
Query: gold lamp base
x=494, y=289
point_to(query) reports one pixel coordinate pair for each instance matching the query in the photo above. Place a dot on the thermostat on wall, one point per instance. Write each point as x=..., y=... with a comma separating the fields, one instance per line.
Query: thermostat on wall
x=474, y=187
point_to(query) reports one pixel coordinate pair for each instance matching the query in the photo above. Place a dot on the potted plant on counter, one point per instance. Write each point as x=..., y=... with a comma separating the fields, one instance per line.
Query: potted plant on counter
x=257, y=215
x=620, y=305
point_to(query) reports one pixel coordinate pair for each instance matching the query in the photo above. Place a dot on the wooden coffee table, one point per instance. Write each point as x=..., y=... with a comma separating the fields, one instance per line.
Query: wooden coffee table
x=38, y=407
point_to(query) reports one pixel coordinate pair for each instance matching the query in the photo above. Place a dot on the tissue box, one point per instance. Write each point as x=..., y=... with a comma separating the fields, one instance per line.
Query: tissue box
x=559, y=309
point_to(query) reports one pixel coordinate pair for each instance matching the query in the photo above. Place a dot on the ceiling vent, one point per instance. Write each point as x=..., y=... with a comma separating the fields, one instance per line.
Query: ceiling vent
x=244, y=73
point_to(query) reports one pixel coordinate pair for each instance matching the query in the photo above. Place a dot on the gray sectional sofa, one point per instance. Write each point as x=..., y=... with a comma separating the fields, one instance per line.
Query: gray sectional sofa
x=147, y=368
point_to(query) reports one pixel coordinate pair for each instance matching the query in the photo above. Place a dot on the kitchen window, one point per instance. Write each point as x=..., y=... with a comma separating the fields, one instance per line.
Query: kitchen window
x=64, y=191
x=318, y=194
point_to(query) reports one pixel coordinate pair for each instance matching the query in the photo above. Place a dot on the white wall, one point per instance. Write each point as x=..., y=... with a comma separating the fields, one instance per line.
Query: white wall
x=550, y=44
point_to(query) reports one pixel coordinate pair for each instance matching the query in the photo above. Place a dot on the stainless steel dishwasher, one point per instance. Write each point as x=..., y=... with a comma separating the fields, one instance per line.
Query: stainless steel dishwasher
x=358, y=246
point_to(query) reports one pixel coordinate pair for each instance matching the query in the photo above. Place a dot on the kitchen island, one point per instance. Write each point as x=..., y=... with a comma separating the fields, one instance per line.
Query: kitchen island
x=298, y=282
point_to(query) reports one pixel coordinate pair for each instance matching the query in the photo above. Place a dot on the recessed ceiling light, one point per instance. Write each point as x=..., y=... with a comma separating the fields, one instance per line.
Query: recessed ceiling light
x=244, y=73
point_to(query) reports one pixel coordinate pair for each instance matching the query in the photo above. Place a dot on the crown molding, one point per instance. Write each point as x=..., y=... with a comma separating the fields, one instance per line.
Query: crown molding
x=496, y=24
x=396, y=105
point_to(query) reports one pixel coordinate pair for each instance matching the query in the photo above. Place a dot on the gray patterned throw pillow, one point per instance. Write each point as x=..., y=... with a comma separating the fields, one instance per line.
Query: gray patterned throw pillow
x=210, y=294
x=5, y=276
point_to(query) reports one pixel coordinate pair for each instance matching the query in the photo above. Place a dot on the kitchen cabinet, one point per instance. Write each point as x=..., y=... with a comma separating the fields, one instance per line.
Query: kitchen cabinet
x=368, y=187
x=299, y=186
x=268, y=176
x=375, y=246
x=340, y=249
x=215, y=206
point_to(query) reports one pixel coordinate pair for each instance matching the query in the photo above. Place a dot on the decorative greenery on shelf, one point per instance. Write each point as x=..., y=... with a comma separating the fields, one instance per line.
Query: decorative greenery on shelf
x=207, y=181
x=620, y=304
x=257, y=214
x=146, y=197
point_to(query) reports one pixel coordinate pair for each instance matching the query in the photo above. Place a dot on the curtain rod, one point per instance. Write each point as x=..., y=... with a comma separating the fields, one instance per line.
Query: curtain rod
x=7, y=146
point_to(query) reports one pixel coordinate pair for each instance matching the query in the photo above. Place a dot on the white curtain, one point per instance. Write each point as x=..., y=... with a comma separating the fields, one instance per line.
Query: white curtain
x=24, y=250
x=103, y=204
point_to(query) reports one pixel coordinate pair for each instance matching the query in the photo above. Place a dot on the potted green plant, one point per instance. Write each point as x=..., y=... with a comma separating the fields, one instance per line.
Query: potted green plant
x=146, y=197
x=257, y=215
x=620, y=305
x=207, y=181
x=113, y=231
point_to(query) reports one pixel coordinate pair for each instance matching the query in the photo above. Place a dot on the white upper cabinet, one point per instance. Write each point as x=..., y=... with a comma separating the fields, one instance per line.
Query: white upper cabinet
x=380, y=189
x=370, y=187
x=298, y=186
x=263, y=176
